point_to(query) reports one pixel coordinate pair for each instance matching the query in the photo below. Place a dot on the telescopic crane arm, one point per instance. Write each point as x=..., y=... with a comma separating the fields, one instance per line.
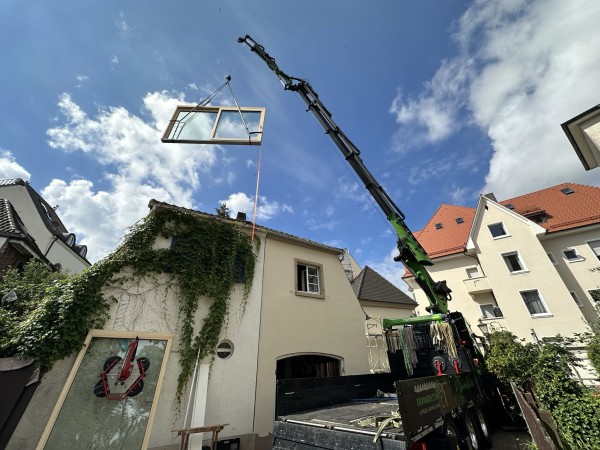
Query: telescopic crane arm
x=411, y=254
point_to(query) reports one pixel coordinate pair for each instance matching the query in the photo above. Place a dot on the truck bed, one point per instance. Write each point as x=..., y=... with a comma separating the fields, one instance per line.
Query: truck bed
x=335, y=427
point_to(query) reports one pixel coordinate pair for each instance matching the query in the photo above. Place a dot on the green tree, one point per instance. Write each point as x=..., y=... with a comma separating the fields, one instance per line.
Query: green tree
x=222, y=210
x=593, y=347
x=509, y=359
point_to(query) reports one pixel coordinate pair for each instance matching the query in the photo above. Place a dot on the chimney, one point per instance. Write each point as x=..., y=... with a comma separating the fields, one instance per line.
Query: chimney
x=241, y=216
x=491, y=196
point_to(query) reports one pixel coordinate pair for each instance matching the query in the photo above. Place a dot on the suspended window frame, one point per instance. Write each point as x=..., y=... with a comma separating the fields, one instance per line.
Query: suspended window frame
x=184, y=114
x=84, y=354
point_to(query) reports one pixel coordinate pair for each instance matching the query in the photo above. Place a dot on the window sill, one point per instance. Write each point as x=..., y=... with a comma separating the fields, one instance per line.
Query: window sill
x=309, y=294
x=541, y=316
x=575, y=260
x=518, y=272
x=500, y=237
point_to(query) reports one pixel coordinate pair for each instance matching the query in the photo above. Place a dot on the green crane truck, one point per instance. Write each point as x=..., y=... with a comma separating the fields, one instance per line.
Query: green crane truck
x=434, y=396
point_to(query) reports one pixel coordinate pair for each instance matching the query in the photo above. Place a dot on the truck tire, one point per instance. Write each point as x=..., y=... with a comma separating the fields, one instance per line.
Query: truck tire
x=470, y=427
x=484, y=429
x=450, y=427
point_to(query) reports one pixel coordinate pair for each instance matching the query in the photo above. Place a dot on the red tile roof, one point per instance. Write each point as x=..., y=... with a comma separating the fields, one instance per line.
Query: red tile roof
x=562, y=212
x=452, y=236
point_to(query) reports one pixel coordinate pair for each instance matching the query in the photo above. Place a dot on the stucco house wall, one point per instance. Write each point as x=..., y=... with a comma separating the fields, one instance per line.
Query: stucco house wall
x=273, y=323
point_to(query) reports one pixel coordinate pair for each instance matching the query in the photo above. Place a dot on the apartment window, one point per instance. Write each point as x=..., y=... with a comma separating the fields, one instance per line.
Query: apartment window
x=497, y=230
x=309, y=279
x=571, y=255
x=595, y=295
x=595, y=246
x=473, y=272
x=534, y=303
x=513, y=262
x=577, y=301
x=490, y=311
x=552, y=258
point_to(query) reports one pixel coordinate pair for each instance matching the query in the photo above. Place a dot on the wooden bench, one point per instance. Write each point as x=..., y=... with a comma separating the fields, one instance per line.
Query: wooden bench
x=185, y=435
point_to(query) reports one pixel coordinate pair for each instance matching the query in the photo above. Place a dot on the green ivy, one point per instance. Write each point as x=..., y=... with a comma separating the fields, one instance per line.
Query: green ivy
x=62, y=309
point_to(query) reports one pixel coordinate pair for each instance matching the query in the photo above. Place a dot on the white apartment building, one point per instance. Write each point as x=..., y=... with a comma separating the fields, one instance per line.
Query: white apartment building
x=529, y=265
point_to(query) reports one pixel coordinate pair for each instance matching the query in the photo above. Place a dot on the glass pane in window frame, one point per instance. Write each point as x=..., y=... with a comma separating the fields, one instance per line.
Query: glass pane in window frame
x=533, y=301
x=497, y=230
x=190, y=125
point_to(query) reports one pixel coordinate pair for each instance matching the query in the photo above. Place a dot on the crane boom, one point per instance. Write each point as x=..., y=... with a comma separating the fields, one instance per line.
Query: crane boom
x=411, y=253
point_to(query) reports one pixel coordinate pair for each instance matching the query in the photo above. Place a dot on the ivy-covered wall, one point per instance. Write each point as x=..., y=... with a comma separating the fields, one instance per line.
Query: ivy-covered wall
x=177, y=271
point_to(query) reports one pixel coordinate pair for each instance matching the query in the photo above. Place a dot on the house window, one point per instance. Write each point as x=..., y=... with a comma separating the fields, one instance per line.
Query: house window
x=595, y=246
x=577, y=301
x=438, y=226
x=473, y=272
x=309, y=279
x=490, y=311
x=497, y=230
x=571, y=255
x=552, y=258
x=513, y=262
x=534, y=303
x=460, y=220
x=239, y=270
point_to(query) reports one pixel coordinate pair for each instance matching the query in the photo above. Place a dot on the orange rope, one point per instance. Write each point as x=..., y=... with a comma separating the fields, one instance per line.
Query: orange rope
x=256, y=194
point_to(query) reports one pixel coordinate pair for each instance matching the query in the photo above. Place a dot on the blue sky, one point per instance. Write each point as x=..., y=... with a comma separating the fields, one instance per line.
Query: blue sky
x=446, y=99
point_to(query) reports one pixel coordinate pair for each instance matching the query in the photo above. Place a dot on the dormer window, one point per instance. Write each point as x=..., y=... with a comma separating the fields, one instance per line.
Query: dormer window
x=69, y=239
x=538, y=217
x=81, y=250
x=567, y=191
x=510, y=206
x=438, y=226
x=459, y=220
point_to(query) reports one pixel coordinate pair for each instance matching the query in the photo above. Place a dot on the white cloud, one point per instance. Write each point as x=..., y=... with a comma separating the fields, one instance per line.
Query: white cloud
x=136, y=166
x=523, y=68
x=10, y=168
x=351, y=190
x=121, y=23
x=114, y=60
x=81, y=79
x=266, y=210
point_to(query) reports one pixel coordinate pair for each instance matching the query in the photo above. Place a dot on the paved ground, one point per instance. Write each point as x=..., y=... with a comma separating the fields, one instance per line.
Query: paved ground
x=510, y=440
